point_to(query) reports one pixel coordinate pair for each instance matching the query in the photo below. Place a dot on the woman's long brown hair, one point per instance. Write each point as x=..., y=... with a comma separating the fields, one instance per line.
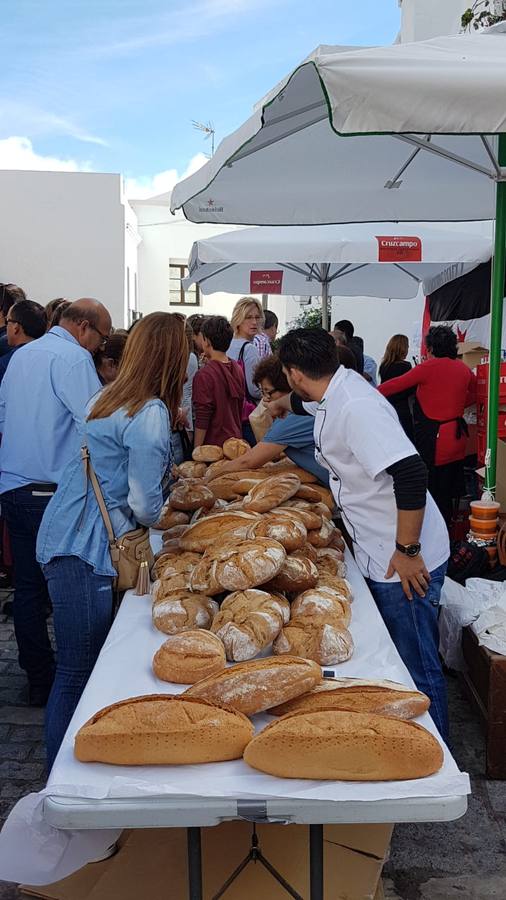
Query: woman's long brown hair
x=396, y=350
x=153, y=365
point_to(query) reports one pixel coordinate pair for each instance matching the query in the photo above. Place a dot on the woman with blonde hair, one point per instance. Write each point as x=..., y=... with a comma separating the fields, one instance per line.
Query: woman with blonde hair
x=128, y=438
x=394, y=364
x=247, y=321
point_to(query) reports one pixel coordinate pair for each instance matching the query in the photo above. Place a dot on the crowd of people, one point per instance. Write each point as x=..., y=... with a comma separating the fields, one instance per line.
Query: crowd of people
x=140, y=401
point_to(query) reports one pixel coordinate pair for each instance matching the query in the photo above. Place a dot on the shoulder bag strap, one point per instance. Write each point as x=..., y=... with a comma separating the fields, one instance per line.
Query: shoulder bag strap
x=90, y=473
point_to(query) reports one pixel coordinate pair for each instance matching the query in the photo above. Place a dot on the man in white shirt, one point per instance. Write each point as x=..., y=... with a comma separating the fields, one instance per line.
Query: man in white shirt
x=379, y=484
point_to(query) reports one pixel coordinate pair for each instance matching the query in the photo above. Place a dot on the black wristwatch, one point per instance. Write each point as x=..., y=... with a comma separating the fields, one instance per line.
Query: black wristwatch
x=410, y=550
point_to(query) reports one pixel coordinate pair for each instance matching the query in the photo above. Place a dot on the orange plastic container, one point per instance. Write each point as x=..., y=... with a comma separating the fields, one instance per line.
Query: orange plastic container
x=485, y=509
x=484, y=528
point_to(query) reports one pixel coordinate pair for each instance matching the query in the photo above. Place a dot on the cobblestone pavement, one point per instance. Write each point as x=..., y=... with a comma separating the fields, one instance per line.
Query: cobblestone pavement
x=465, y=859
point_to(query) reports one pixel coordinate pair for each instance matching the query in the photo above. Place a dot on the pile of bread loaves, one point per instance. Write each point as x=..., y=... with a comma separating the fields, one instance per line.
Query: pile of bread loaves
x=252, y=560
x=264, y=543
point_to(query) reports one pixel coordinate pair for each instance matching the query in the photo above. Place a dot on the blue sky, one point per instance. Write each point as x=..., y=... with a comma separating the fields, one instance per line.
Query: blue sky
x=113, y=85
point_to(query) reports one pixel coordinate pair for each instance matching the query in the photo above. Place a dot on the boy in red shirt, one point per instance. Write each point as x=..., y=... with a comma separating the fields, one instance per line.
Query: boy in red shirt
x=218, y=387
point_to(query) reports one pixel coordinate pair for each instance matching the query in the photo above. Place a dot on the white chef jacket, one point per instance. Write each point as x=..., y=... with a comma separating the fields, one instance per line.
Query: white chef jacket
x=357, y=437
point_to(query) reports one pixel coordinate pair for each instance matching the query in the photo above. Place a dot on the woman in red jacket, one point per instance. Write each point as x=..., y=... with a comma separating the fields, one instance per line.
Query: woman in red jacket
x=444, y=387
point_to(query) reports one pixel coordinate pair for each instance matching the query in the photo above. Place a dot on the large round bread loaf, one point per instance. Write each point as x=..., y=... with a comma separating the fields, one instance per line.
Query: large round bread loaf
x=207, y=453
x=176, y=611
x=170, y=517
x=322, y=601
x=252, y=687
x=159, y=729
x=248, y=621
x=235, y=447
x=385, y=698
x=190, y=493
x=297, y=574
x=168, y=563
x=288, y=530
x=191, y=469
x=271, y=492
x=322, y=536
x=330, y=562
x=345, y=746
x=339, y=585
x=236, y=565
x=188, y=657
x=207, y=531
x=324, y=639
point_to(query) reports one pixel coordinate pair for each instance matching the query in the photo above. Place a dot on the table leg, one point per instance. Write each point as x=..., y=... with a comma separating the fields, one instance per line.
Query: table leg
x=316, y=862
x=194, y=864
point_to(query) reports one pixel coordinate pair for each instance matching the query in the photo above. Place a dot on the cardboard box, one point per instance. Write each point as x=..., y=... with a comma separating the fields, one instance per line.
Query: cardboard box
x=152, y=863
x=472, y=353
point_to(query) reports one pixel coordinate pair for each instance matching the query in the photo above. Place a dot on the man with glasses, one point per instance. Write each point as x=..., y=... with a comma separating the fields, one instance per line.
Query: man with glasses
x=9, y=294
x=26, y=321
x=43, y=399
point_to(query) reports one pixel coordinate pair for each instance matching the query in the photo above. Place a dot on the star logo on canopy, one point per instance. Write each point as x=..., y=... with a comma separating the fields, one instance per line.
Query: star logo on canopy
x=210, y=202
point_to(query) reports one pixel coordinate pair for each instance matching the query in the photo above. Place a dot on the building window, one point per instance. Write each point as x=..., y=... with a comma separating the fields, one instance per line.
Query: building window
x=177, y=296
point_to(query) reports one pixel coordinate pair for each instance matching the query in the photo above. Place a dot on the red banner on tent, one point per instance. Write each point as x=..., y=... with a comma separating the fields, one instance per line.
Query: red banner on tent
x=399, y=248
x=266, y=281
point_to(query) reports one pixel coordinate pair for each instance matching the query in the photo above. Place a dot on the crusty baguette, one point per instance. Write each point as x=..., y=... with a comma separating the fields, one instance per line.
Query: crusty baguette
x=344, y=746
x=252, y=687
x=386, y=698
x=188, y=657
x=160, y=729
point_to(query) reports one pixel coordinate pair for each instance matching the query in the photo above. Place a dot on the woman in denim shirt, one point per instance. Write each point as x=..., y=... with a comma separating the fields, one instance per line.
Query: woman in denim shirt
x=128, y=435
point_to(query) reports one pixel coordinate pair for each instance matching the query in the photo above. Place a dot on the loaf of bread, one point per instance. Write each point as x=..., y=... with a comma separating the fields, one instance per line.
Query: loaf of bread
x=302, y=510
x=208, y=530
x=236, y=565
x=252, y=687
x=322, y=536
x=235, y=447
x=322, y=601
x=339, y=585
x=322, y=508
x=307, y=492
x=188, y=657
x=191, y=494
x=215, y=469
x=330, y=562
x=207, y=453
x=324, y=639
x=191, y=469
x=224, y=487
x=306, y=552
x=271, y=492
x=170, y=517
x=203, y=511
x=248, y=621
x=345, y=746
x=169, y=563
x=175, y=611
x=325, y=496
x=384, y=698
x=174, y=533
x=289, y=531
x=160, y=729
x=171, y=583
x=287, y=466
x=297, y=574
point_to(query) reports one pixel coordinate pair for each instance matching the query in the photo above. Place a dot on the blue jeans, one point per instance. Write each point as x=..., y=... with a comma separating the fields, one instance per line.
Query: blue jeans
x=413, y=627
x=23, y=514
x=82, y=607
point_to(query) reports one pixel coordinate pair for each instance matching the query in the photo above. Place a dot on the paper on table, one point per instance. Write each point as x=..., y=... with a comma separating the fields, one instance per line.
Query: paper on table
x=124, y=670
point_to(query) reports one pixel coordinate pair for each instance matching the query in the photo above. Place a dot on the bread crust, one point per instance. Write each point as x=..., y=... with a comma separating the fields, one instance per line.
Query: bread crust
x=208, y=530
x=322, y=601
x=236, y=565
x=191, y=469
x=189, y=494
x=179, y=610
x=207, y=453
x=325, y=639
x=297, y=574
x=271, y=492
x=188, y=657
x=170, y=517
x=359, y=695
x=235, y=447
x=160, y=729
x=252, y=687
x=344, y=746
x=287, y=529
x=248, y=621
x=339, y=585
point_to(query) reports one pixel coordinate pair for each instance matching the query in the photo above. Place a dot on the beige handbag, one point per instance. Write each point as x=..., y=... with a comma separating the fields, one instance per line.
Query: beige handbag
x=131, y=554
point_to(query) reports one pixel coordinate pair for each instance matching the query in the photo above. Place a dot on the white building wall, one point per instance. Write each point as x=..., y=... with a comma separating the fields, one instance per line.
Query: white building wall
x=62, y=234
x=424, y=19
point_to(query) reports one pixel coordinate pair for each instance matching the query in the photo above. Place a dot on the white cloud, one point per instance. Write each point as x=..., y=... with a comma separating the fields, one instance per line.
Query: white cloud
x=25, y=118
x=17, y=153
x=142, y=188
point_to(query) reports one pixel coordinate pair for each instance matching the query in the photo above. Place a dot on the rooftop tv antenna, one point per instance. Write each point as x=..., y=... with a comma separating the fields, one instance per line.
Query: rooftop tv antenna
x=209, y=131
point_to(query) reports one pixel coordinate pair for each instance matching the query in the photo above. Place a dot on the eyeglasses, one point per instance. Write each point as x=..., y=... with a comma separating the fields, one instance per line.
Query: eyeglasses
x=104, y=337
x=254, y=318
x=11, y=322
x=268, y=394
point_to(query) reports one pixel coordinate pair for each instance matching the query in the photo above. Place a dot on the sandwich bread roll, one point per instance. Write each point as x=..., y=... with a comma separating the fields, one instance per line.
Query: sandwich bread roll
x=252, y=687
x=160, y=729
x=383, y=698
x=188, y=657
x=344, y=746
x=248, y=621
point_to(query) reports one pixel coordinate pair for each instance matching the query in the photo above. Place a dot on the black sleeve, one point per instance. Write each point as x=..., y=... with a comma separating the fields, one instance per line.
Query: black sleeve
x=410, y=482
x=297, y=407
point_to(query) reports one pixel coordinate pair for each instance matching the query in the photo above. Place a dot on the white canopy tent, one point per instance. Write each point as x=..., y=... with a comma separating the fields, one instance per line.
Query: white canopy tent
x=411, y=132
x=348, y=260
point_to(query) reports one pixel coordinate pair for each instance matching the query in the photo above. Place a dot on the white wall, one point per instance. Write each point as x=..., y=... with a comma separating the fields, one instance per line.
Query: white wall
x=424, y=19
x=62, y=234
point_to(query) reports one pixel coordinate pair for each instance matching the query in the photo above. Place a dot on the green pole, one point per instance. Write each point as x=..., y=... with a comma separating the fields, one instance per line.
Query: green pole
x=496, y=315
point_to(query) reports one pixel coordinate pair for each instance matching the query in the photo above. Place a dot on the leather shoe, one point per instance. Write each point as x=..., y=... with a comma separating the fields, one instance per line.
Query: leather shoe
x=38, y=695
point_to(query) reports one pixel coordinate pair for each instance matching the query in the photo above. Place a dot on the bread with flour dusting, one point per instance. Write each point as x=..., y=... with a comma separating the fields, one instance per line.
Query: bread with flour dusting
x=180, y=610
x=248, y=621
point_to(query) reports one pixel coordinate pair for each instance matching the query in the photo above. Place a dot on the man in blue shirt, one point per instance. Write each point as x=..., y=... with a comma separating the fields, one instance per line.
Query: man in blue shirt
x=26, y=321
x=43, y=399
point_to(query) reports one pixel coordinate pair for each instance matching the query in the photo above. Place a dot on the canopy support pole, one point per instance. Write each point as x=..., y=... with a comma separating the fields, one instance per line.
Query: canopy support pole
x=325, y=296
x=496, y=316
